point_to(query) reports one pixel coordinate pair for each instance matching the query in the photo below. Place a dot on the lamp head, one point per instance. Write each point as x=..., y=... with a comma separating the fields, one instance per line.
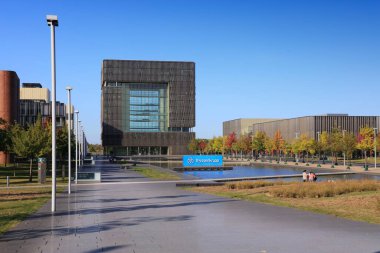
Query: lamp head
x=52, y=20
x=69, y=88
x=76, y=111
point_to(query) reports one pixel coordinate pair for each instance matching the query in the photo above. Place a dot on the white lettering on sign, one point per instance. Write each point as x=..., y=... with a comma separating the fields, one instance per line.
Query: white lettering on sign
x=206, y=160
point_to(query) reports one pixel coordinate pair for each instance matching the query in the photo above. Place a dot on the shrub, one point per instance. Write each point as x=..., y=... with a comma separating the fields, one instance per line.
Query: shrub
x=323, y=189
x=250, y=184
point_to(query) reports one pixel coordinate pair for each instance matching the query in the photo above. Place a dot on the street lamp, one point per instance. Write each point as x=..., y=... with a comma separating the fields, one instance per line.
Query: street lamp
x=319, y=147
x=52, y=21
x=68, y=88
x=76, y=148
x=79, y=143
x=374, y=142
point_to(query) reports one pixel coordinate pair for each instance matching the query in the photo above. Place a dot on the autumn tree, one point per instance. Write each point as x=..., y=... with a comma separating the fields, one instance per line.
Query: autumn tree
x=202, y=144
x=349, y=144
x=324, y=144
x=230, y=141
x=218, y=145
x=336, y=143
x=365, y=141
x=193, y=145
x=278, y=143
x=258, y=142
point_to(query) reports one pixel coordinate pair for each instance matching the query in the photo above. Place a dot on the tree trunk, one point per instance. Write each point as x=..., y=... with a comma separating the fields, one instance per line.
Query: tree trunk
x=30, y=170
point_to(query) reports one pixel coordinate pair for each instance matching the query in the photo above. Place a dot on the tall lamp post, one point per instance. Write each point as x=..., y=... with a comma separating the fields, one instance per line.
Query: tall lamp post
x=76, y=147
x=52, y=21
x=68, y=88
x=374, y=142
x=79, y=142
x=319, y=147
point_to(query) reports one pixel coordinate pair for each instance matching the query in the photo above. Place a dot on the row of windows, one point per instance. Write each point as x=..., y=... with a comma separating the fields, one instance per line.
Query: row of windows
x=144, y=93
x=144, y=100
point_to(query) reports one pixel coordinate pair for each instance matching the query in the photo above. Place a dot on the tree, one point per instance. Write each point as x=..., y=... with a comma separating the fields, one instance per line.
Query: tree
x=30, y=143
x=202, y=144
x=193, y=145
x=349, y=144
x=269, y=146
x=5, y=138
x=304, y=144
x=278, y=143
x=365, y=141
x=324, y=144
x=258, y=142
x=62, y=142
x=336, y=143
x=95, y=148
x=231, y=139
x=218, y=145
x=243, y=144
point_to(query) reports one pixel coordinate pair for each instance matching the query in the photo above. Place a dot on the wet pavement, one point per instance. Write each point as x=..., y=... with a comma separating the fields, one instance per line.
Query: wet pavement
x=158, y=217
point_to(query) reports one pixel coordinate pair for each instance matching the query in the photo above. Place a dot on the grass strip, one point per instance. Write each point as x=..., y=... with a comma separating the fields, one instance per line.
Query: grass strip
x=354, y=200
x=156, y=173
x=17, y=204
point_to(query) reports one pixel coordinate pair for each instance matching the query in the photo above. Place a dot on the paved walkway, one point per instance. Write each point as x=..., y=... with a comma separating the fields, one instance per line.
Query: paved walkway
x=162, y=218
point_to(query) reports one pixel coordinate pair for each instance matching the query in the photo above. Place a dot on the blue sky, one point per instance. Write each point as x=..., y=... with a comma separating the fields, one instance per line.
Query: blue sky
x=258, y=58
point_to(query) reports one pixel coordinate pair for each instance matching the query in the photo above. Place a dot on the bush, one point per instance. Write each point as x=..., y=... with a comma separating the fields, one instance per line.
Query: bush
x=324, y=189
x=250, y=184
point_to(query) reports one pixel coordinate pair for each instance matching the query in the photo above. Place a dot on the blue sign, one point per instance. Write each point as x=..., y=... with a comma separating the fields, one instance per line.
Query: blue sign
x=202, y=160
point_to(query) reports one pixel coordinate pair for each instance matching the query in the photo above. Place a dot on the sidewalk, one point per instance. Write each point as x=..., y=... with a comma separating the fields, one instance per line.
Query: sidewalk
x=158, y=217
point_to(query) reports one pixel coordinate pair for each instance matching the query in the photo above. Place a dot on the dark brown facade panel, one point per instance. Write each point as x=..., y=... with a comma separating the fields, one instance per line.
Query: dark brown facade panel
x=311, y=125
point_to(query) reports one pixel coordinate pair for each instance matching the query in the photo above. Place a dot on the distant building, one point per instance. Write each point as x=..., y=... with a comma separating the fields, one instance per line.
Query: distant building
x=35, y=101
x=9, y=101
x=148, y=107
x=240, y=126
x=34, y=91
x=312, y=125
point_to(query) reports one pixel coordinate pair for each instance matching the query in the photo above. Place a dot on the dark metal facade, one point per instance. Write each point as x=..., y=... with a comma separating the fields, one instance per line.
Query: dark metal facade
x=311, y=125
x=175, y=78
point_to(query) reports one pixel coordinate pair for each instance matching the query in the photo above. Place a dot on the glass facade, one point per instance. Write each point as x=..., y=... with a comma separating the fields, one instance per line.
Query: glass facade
x=136, y=107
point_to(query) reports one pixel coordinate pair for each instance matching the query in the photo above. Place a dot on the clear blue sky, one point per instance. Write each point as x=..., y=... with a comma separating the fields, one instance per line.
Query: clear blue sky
x=258, y=58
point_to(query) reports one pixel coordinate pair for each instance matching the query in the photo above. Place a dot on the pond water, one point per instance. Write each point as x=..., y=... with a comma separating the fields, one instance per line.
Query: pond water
x=256, y=171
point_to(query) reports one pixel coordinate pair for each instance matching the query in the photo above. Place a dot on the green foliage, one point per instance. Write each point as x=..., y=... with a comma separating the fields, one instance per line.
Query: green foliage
x=5, y=137
x=94, y=148
x=31, y=143
x=365, y=142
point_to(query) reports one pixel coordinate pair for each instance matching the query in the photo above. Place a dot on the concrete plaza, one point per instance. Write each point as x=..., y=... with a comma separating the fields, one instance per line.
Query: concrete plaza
x=129, y=213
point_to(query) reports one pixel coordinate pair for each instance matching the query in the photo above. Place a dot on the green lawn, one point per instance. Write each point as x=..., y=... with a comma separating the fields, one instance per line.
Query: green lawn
x=19, y=174
x=156, y=173
x=17, y=204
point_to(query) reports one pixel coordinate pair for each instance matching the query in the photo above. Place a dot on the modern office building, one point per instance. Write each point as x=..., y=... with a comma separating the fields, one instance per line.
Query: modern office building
x=148, y=107
x=312, y=125
x=9, y=101
x=241, y=126
x=35, y=101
